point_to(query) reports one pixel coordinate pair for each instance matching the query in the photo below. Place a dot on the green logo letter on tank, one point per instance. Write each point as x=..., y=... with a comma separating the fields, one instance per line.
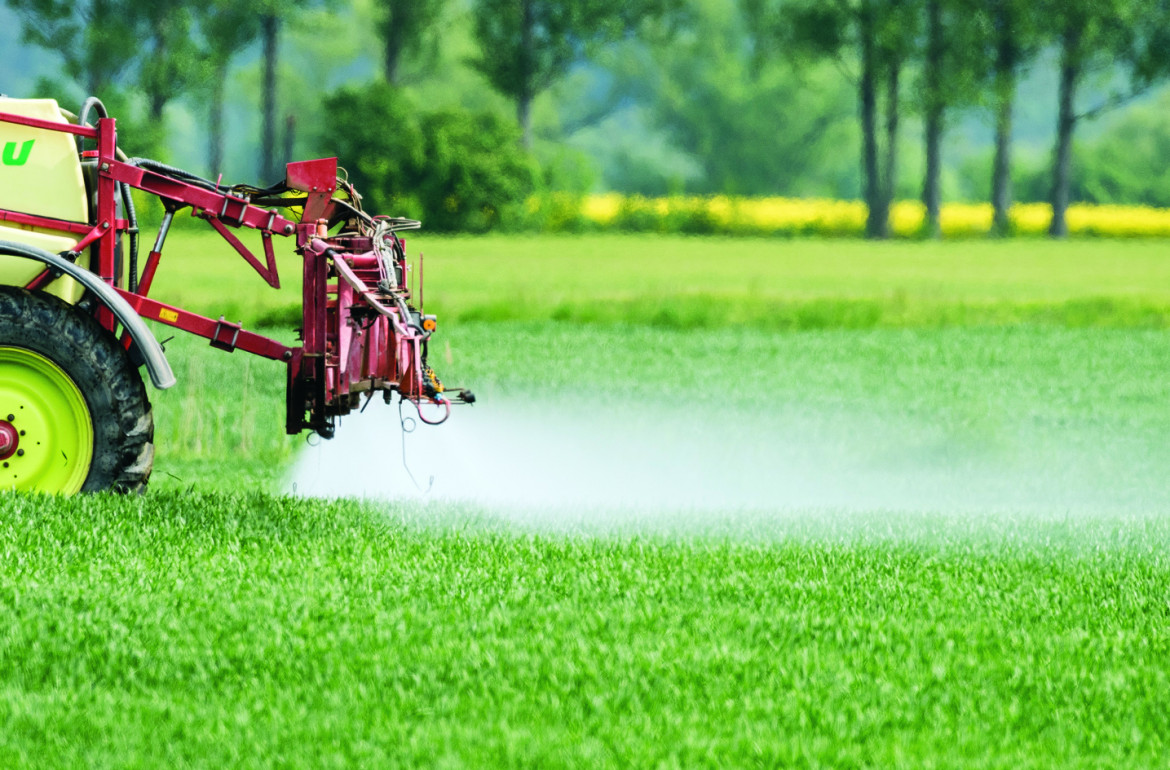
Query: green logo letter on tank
x=10, y=156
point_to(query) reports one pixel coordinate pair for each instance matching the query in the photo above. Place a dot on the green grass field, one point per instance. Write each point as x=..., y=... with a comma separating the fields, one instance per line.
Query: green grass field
x=216, y=621
x=686, y=282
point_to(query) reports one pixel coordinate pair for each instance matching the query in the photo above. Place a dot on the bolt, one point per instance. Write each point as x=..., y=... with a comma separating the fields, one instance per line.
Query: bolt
x=11, y=417
x=287, y=356
x=20, y=453
x=105, y=225
x=22, y=433
x=288, y=229
x=105, y=167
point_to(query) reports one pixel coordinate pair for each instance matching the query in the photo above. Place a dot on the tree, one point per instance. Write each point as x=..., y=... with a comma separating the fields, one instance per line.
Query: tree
x=1094, y=35
x=703, y=88
x=936, y=104
x=876, y=36
x=1129, y=162
x=404, y=26
x=454, y=169
x=526, y=45
x=108, y=47
x=271, y=14
x=1010, y=39
x=168, y=64
x=227, y=28
x=950, y=78
x=269, y=33
x=94, y=38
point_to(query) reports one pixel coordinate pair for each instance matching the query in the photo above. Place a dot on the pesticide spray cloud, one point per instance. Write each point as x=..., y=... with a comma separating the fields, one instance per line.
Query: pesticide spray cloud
x=544, y=462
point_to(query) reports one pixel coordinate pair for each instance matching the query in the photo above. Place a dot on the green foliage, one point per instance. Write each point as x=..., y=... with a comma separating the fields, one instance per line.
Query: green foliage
x=454, y=169
x=1123, y=164
x=716, y=102
x=92, y=37
x=553, y=212
x=137, y=57
x=474, y=171
x=1127, y=163
x=525, y=47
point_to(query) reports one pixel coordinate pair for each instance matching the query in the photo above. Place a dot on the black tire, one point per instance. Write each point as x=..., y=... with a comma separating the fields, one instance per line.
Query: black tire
x=123, y=422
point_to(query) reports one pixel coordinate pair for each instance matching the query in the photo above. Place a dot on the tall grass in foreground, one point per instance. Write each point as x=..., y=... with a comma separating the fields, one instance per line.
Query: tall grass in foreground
x=204, y=625
x=213, y=630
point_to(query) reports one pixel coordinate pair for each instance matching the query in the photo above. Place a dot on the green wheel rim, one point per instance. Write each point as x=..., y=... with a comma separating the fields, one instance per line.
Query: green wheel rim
x=53, y=421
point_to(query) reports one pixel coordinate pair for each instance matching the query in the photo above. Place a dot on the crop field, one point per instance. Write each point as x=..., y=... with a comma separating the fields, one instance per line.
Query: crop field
x=736, y=503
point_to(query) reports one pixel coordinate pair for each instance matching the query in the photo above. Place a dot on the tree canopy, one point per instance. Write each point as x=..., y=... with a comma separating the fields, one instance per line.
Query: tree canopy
x=877, y=99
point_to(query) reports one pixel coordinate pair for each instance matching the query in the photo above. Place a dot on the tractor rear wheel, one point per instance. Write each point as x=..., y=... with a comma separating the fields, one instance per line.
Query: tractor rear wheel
x=74, y=415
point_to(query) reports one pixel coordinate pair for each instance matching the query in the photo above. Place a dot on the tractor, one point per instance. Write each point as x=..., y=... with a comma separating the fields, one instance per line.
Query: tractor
x=75, y=415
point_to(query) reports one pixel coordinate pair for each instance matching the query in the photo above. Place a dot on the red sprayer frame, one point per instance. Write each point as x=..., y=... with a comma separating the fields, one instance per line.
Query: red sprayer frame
x=360, y=335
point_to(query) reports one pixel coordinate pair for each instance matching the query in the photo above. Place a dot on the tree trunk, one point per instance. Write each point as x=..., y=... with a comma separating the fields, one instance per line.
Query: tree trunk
x=876, y=211
x=96, y=79
x=890, y=170
x=158, y=92
x=1065, y=124
x=931, y=192
x=528, y=73
x=290, y=141
x=524, y=116
x=269, y=28
x=215, y=119
x=393, y=30
x=1001, y=172
x=1005, y=93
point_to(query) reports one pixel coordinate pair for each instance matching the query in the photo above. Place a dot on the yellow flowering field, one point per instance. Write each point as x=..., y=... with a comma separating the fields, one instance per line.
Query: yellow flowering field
x=805, y=216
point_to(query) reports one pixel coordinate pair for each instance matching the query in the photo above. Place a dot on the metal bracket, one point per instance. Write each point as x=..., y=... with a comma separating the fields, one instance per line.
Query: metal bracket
x=233, y=210
x=222, y=331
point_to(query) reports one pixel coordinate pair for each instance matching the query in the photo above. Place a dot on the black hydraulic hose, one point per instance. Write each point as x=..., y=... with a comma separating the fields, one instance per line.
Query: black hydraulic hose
x=91, y=103
x=163, y=168
x=132, y=231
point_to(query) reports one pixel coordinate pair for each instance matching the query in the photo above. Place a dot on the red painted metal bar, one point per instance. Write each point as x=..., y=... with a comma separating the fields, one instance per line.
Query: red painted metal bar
x=148, y=272
x=313, y=298
x=48, y=223
x=226, y=207
x=66, y=128
x=107, y=213
x=90, y=238
x=268, y=273
x=208, y=328
x=43, y=279
x=355, y=283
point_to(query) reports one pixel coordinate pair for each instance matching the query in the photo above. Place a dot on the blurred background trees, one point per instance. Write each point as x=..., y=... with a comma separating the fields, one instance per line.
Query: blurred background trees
x=460, y=109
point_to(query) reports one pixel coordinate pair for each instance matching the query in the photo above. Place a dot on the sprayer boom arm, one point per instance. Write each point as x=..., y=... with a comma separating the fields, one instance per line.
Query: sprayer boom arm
x=359, y=331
